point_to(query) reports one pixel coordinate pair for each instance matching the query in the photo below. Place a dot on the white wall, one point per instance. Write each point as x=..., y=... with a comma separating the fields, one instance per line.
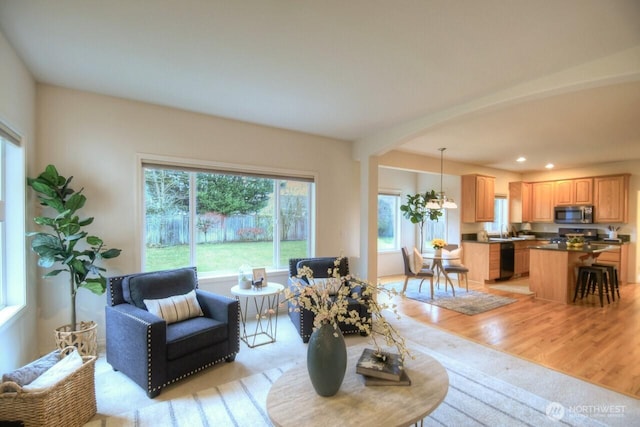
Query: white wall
x=17, y=110
x=97, y=139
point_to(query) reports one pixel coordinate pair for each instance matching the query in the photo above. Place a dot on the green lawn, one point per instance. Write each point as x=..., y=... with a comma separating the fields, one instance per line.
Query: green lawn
x=386, y=243
x=224, y=258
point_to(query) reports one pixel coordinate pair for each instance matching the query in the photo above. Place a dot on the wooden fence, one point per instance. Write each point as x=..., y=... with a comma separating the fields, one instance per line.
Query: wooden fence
x=170, y=230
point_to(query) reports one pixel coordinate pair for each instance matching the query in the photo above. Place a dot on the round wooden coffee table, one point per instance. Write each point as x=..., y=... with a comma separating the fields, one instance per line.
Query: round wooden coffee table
x=292, y=401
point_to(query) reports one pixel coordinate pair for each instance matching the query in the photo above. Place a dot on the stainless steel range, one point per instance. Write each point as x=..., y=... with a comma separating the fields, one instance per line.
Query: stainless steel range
x=588, y=234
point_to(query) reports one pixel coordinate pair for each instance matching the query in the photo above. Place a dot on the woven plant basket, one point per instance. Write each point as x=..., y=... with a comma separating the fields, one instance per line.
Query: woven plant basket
x=70, y=402
x=84, y=338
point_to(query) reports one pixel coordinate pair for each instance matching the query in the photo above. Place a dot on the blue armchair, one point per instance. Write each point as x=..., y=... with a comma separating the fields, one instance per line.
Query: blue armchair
x=155, y=352
x=303, y=318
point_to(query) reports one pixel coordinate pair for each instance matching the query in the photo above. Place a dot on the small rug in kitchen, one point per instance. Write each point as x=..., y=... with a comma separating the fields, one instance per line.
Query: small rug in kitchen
x=470, y=303
x=515, y=289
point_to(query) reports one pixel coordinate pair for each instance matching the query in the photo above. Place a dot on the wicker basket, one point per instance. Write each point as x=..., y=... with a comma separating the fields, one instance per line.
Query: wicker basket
x=84, y=336
x=70, y=402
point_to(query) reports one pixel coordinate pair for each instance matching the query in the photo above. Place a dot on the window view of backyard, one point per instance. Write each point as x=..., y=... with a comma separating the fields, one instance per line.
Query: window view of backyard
x=388, y=222
x=235, y=220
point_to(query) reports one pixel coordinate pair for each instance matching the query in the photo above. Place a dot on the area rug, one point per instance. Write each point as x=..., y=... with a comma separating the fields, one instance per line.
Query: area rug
x=473, y=399
x=515, y=289
x=469, y=303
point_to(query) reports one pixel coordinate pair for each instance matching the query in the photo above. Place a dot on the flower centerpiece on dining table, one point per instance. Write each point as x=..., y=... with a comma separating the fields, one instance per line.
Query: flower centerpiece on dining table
x=328, y=300
x=438, y=244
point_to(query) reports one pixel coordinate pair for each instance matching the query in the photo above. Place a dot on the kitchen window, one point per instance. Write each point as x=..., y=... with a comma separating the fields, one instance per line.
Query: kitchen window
x=222, y=220
x=500, y=222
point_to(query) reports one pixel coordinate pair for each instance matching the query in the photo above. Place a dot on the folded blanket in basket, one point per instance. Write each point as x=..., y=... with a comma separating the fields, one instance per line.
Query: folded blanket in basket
x=65, y=367
x=33, y=370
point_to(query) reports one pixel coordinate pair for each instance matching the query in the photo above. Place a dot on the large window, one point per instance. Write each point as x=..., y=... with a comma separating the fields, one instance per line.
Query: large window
x=3, y=227
x=388, y=222
x=221, y=221
x=12, y=226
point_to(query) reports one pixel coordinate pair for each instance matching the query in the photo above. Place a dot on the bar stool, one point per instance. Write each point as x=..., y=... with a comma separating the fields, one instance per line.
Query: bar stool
x=590, y=277
x=612, y=278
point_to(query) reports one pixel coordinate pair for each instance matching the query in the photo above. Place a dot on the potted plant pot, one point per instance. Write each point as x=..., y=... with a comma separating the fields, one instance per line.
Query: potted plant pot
x=83, y=336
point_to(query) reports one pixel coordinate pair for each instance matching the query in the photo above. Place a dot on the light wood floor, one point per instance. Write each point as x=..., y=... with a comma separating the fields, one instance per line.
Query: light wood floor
x=600, y=345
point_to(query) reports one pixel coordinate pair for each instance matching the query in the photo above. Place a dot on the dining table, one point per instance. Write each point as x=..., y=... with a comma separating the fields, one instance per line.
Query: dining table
x=435, y=262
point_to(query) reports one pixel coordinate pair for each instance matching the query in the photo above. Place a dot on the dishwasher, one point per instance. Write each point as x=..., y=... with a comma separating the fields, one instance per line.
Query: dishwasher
x=507, y=260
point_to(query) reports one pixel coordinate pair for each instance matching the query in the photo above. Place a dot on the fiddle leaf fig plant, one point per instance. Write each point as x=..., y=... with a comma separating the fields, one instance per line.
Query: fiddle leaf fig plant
x=66, y=243
x=416, y=211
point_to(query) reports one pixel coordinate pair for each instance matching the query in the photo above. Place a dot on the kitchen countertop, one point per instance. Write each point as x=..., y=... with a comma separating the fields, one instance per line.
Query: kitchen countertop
x=501, y=240
x=534, y=241
x=592, y=248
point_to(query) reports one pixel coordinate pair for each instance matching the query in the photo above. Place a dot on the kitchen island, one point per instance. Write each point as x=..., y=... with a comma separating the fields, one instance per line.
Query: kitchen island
x=552, y=268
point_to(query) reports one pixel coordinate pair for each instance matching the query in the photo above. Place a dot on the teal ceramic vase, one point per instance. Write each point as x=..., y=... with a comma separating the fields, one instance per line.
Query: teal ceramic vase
x=326, y=360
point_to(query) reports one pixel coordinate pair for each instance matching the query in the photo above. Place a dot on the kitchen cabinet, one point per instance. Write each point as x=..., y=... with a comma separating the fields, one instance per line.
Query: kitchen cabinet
x=521, y=258
x=551, y=275
x=482, y=260
x=534, y=202
x=583, y=191
x=522, y=255
x=619, y=258
x=611, y=198
x=478, y=194
x=519, y=202
x=573, y=192
x=494, y=261
x=542, y=201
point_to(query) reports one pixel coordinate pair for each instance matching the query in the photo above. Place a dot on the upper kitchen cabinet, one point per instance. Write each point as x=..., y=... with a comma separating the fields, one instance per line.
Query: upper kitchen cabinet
x=520, y=202
x=542, y=201
x=573, y=192
x=478, y=194
x=611, y=198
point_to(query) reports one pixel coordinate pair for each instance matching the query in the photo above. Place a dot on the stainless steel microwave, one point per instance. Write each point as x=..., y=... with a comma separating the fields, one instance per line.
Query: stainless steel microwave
x=573, y=214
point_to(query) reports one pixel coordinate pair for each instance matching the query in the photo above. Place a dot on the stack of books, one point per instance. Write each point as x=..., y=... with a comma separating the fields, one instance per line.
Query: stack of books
x=379, y=369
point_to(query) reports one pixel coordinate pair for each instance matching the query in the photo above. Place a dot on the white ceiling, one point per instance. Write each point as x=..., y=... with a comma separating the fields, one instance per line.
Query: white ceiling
x=356, y=69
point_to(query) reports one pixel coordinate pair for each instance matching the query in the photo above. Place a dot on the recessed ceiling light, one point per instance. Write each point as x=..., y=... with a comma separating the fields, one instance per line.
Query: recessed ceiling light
x=521, y=159
x=549, y=166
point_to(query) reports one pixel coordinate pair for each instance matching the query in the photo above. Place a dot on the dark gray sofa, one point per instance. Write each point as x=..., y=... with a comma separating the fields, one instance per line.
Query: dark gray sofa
x=155, y=354
x=303, y=318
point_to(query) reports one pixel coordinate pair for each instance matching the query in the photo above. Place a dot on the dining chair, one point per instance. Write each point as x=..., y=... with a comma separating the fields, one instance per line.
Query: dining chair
x=415, y=270
x=455, y=265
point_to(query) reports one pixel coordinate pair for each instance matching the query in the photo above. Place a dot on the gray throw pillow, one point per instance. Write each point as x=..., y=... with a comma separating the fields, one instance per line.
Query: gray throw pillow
x=33, y=370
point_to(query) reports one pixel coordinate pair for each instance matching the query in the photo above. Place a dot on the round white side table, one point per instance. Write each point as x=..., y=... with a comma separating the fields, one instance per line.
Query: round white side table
x=266, y=301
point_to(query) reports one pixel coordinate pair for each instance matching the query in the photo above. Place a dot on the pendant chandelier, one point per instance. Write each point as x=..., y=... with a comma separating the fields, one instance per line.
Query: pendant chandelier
x=441, y=200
